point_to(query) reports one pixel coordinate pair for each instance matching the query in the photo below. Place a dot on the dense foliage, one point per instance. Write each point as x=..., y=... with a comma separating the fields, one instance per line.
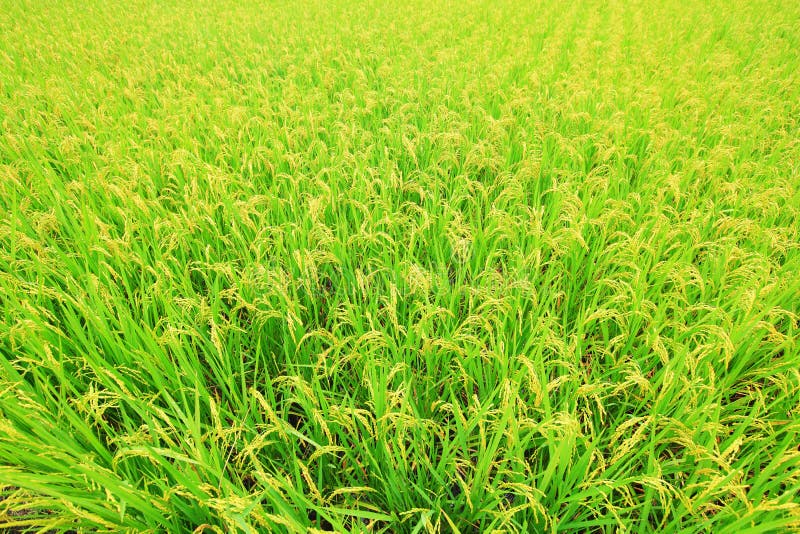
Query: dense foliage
x=400, y=266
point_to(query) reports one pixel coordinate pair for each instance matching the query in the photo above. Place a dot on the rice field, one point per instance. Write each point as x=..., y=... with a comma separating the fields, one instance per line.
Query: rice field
x=406, y=267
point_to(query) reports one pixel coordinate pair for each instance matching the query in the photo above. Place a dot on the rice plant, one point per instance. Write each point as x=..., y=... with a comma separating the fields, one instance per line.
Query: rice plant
x=400, y=266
